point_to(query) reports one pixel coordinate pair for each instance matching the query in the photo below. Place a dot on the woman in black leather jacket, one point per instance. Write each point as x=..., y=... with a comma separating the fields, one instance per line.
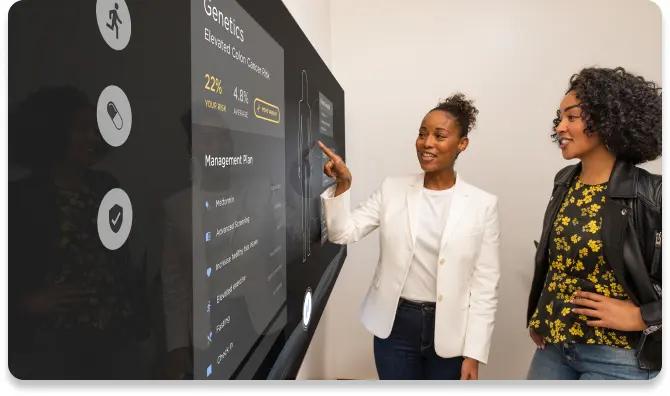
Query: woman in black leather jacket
x=594, y=309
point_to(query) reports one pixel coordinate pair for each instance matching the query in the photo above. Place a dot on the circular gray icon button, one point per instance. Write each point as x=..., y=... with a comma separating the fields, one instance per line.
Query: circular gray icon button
x=307, y=308
x=115, y=118
x=114, y=22
x=115, y=218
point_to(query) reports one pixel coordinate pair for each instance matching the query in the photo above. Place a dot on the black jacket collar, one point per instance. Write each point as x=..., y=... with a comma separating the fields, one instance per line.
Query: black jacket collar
x=621, y=184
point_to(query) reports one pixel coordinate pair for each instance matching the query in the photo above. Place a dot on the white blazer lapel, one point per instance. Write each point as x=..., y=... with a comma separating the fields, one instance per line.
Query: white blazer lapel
x=413, y=197
x=459, y=202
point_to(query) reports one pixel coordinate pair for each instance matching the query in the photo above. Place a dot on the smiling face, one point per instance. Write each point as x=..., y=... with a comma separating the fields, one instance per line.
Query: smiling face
x=573, y=141
x=439, y=141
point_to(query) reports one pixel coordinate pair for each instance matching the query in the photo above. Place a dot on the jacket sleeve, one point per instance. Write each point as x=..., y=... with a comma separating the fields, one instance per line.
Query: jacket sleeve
x=484, y=290
x=346, y=226
x=652, y=311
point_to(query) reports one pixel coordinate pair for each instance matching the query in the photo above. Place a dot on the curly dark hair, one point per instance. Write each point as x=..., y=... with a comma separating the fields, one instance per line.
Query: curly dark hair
x=623, y=109
x=462, y=109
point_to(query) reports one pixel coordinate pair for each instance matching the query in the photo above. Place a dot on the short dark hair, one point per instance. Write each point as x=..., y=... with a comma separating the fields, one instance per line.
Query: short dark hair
x=462, y=109
x=623, y=109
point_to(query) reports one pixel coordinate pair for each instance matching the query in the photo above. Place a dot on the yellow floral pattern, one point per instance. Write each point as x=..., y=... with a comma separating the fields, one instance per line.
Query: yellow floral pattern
x=577, y=262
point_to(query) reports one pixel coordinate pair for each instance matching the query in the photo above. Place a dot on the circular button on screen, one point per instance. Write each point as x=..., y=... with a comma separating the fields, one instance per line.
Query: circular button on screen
x=115, y=218
x=114, y=22
x=114, y=115
x=307, y=308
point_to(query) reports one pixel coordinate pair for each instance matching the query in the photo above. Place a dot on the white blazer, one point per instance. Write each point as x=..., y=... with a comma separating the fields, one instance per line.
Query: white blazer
x=468, y=263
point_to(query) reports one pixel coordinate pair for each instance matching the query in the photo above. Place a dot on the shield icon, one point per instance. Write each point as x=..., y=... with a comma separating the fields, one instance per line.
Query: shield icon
x=115, y=218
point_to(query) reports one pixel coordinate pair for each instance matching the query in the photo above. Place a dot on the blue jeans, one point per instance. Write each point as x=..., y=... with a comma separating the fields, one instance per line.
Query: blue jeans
x=409, y=352
x=569, y=361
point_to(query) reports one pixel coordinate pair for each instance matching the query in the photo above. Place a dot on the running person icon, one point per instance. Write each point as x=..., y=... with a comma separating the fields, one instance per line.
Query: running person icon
x=114, y=16
x=115, y=22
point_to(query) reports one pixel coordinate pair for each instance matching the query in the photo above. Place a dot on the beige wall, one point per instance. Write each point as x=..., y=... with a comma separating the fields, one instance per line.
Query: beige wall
x=396, y=58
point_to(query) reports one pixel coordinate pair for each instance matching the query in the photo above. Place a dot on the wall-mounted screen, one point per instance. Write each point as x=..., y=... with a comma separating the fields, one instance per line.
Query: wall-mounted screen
x=164, y=182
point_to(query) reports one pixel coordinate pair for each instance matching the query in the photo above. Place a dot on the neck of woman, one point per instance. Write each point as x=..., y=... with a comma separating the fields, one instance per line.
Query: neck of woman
x=439, y=180
x=597, y=166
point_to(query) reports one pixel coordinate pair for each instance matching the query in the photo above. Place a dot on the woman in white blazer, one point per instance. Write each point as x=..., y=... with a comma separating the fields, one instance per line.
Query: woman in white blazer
x=433, y=298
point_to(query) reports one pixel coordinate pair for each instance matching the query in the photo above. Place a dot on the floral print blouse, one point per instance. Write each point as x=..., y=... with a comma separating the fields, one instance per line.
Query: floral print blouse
x=577, y=262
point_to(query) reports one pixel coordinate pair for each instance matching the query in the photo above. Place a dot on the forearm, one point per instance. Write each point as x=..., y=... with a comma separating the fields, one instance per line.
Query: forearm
x=346, y=226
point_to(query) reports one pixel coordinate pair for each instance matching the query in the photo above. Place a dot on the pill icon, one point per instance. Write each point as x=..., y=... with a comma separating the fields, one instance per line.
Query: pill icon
x=115, y=115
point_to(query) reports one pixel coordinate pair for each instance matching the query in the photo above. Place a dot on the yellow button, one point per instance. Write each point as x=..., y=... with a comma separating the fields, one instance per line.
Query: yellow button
x=441, y=261
x=266, y=111
x=439, y=298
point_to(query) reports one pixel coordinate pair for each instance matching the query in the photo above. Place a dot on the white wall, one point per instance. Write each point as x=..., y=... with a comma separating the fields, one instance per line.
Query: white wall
x=396, y=58
x=313, y=17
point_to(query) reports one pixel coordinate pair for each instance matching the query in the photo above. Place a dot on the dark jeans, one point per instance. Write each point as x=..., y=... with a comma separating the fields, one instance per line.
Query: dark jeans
x=408, y=353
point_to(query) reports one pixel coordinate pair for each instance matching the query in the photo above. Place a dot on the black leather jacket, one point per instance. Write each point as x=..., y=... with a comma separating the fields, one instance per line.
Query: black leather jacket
x=631, y=234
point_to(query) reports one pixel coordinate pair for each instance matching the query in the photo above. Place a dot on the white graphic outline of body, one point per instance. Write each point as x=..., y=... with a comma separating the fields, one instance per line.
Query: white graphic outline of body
x=304, y=167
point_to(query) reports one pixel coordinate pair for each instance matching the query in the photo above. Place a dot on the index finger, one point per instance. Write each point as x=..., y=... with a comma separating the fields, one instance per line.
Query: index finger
x=328, y=151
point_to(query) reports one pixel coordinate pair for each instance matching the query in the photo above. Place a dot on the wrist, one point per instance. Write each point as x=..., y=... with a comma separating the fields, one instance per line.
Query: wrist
x=341, y=186
x=344, y=181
